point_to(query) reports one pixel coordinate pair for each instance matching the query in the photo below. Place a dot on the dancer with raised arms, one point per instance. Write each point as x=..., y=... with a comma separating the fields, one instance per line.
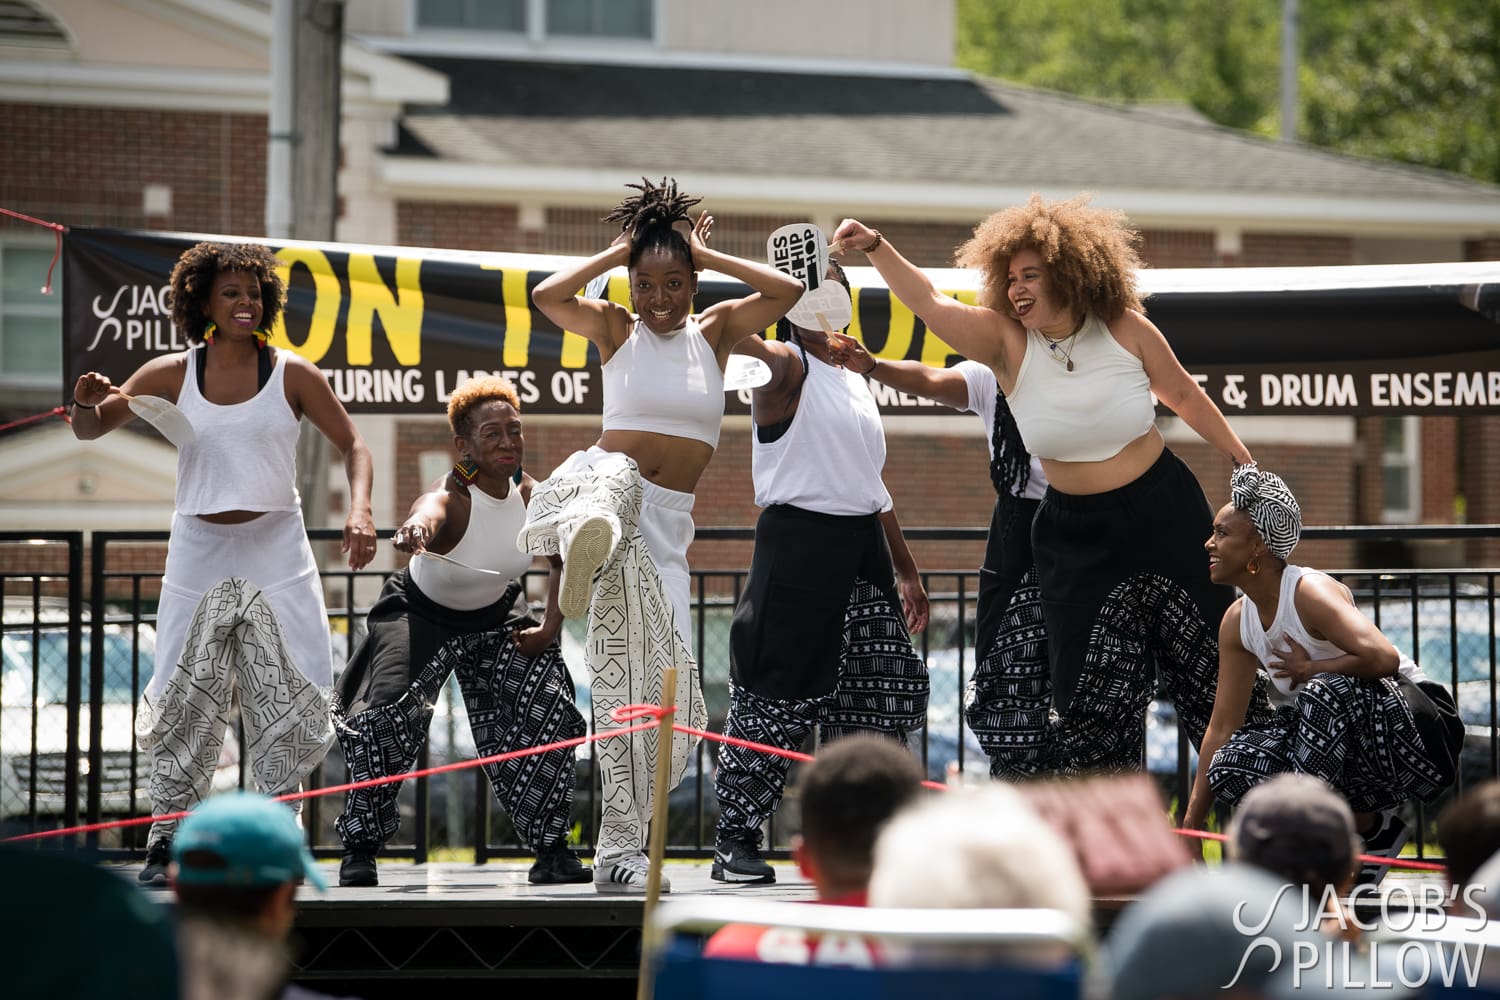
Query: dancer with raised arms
x=620, y=512
x=1119, y=563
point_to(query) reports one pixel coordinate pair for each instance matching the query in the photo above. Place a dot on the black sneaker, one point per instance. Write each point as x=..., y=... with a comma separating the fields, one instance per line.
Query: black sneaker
x=739, y=860
x=1386, y=842
x=358, y=869
x=558, y=866
x=158, y=857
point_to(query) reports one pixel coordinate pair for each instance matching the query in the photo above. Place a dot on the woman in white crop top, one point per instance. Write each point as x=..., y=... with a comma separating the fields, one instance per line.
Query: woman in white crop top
x=668, y=366
x=1117, y=538
x=440, y=617
x=238, y=522
x=1349, y=707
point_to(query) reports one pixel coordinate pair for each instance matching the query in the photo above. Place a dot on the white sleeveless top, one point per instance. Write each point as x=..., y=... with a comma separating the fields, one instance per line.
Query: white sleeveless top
x=666, y=384
x=242, y=456
x=1265, y=643
x=1090, y=413
x=489, y=542
x=829, y=459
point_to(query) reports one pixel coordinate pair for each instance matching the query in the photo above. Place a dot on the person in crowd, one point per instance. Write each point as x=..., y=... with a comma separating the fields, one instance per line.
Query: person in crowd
x=241, y=599
x=1350, y=708
x=452, y=610
x=1468, y=831
x=853, y=786
x=237, y=862
x=1299, y=829
x=1116, y=538
x=620, y=513
x=818, y=637
x=1008, y=603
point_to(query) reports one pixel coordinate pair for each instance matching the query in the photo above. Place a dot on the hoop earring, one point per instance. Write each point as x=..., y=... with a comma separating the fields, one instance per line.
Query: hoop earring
x=1253, y=567
x=466, y=470
x=209, y=331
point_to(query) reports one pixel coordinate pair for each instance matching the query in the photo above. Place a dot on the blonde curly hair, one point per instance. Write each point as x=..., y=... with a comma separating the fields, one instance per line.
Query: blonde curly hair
x=474, y=391
x=1090, y=254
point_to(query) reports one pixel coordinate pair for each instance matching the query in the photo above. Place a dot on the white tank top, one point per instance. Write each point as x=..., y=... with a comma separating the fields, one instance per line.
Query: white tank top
x=489, y=542
x=1265, y=643
x=1087, y=414
x=242, y=456
x=830, y=458
x=665, y=384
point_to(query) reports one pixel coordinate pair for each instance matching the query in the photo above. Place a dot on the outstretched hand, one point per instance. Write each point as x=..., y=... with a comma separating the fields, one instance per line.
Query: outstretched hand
x=846, y=352
x=852, y=234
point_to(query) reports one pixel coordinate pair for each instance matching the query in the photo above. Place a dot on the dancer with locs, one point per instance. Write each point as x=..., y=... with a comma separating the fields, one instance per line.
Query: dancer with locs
x=620, y=513
x=452, y=611
x=818, y=637
x=1008, y=607
x=1350, y=708
x=241, y=621
x=1119, y=561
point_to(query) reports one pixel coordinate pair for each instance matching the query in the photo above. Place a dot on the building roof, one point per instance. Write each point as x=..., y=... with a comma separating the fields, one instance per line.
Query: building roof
x=944, y=130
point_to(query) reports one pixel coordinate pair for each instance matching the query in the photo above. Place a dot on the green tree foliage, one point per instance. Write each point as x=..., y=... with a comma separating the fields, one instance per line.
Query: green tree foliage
x=1412, y=80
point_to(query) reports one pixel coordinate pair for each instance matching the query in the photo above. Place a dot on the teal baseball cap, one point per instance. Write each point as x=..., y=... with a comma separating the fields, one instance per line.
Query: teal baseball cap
x=257, y=837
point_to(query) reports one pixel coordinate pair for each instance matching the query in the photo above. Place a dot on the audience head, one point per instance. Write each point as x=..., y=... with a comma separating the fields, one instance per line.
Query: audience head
x=849, y=791
x=984, y=848
x=1469, y=831
x=1297, y=828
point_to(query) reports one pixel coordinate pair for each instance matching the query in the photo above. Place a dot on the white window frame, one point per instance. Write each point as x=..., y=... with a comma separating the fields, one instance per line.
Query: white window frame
x=1410, y=458
x=535, y=32
x=30, y=380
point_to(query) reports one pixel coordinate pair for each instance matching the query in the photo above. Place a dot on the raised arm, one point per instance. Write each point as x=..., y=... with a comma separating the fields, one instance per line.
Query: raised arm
x=974, y=331
x=727, y=323
x=1237, y=668
x=98, y=406
x=946, y=385
x=314, y=397
x=602, y=323
x=1175, y=387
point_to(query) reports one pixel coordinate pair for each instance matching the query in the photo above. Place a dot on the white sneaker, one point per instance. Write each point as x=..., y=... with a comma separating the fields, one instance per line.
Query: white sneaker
x=626, y=874
x=589, y=550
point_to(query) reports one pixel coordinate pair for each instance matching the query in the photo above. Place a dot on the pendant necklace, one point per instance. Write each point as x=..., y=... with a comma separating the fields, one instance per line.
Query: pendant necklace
x=1062, y=355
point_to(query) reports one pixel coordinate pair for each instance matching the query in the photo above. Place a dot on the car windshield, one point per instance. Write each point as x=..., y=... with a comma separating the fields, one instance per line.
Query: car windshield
x=36, y=667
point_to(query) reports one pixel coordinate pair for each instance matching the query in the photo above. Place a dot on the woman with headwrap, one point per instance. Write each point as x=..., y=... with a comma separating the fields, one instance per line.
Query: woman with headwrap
x=1119, y=566
x=1349, y=707
x=620, y=513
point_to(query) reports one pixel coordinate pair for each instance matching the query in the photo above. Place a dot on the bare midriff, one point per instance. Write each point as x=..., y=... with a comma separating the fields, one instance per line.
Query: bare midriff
x=1120, y=469
x=673, y=462
x=230, y=516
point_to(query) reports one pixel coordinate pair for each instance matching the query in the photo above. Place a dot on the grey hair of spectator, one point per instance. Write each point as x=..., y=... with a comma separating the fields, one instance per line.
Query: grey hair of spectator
x=977, y=848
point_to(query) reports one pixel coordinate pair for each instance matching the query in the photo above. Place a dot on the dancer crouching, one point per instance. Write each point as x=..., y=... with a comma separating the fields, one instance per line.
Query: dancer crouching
x=451, y=611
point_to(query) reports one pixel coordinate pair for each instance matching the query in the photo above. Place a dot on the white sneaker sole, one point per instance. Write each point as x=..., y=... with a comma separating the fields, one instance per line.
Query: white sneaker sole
x=629, y=888
x=588, y=552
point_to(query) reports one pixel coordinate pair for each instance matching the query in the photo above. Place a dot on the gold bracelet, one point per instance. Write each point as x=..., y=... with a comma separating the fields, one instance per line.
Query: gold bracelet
x=873, y=246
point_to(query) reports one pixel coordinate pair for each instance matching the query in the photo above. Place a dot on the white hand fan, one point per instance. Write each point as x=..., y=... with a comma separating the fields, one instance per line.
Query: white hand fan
x=164, y=416
x=455, y=562
x=744, y=372
x=826, y=308
x=801, y=251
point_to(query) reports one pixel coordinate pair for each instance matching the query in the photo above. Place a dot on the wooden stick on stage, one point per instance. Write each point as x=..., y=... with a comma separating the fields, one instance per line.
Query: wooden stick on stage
x=658, y=844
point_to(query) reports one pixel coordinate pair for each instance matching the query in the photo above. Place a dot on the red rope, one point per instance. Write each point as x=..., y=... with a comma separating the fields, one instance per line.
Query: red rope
x=56, y=228
x=1412, y=863
x=56, y=411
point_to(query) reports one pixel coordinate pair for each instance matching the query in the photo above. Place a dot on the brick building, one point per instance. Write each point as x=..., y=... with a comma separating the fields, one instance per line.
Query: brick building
x=513, y=126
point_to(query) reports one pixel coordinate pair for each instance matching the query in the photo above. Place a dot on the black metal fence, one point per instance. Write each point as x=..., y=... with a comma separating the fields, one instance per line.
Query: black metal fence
x=78, y=654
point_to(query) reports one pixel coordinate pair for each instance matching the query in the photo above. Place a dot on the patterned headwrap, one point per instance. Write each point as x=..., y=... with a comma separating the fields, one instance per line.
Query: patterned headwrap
x=1265, y=497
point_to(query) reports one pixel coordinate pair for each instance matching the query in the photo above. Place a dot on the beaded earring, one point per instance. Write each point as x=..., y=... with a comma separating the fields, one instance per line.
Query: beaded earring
x=261, y=337
x=466, y=470
x=209, y=331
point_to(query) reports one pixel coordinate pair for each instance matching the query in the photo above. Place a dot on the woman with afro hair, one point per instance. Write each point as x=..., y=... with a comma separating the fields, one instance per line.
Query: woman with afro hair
x=1117, y=538
x=241, y=599
x=620, y=513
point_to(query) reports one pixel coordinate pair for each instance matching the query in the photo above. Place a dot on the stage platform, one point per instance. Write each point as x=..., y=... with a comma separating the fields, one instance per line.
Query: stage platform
x=450, y=923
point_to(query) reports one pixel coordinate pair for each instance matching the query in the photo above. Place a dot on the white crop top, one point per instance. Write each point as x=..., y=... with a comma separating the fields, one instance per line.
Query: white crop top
x=666, y=384
x=1267, y=644
x=489, y=542
x=242, y=456
x=1090, y=413
x=829, y=459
